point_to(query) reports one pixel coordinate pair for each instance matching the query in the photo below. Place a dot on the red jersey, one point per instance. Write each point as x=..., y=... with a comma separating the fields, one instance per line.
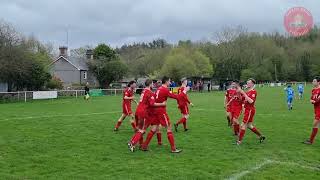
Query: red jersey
x=316, y=97
x=237, y=101
x=183, y=99
x=162, y=95
x=129, y=93
x=253, y=95
x=230, y=95
x=147, y=100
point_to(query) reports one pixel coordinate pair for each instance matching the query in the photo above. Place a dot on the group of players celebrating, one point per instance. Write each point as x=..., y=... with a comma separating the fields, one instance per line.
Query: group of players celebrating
x=151, y=111
x=238, y=101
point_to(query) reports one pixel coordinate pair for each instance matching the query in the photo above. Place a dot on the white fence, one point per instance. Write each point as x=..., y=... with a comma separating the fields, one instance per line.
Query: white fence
x=29, y=95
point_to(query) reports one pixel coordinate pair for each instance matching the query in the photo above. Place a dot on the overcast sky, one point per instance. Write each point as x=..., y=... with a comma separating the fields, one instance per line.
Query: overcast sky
x=116, y=22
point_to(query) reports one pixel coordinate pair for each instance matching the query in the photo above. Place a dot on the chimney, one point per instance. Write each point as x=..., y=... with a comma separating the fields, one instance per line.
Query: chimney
x=63, y=51
x=89, y=54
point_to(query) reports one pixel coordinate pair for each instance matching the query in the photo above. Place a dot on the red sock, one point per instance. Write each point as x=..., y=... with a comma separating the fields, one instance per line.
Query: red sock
x=236, y=129
x=159, y=138
x=185, y=123
x=133, y=124
x=181, y=121
x=141, y=140
x=132, y=138
x=241, y=135
x=118, y=124
x=255, y=130
x=313, y=134
x=171, y=141
x=136, y=138
x=149, y=137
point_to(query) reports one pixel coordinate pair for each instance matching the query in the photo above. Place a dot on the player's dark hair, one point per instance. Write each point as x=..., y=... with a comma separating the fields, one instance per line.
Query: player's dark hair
x=148, y=82
x=252, y=80
x=317, y=78
x=130, y=83
x=165, y=79
x=236, y=81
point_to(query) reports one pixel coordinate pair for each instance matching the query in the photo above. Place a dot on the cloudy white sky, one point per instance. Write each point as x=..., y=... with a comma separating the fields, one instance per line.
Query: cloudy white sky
x=116, y=22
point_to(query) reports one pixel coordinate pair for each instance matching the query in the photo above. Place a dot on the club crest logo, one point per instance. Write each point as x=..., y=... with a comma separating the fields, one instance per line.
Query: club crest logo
x=298, y=21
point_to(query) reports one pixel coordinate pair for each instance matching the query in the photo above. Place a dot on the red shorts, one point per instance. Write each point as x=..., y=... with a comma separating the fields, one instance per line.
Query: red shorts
x=184, y=110
x=249, y=115
x=317, y=114
x=126, y=109
x=142, y=120
x=141, y=114
x=236, y=112
x=161, y=119
x=152, y=120
x=144, y=124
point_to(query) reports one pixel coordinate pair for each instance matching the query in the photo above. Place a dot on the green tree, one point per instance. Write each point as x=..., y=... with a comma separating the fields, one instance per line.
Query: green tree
x=202, y=63
x=269, y=56
x=55, y=83
x=178, y=66
x=106, y=65
x=186, y=62
x=23, y=61
x=104, y=52
x=246, y=74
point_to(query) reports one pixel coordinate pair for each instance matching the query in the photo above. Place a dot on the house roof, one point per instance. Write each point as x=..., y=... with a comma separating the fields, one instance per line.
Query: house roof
x=79, y=63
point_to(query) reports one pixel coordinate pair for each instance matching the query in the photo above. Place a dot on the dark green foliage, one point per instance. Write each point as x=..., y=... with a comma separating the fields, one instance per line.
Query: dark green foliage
x=268, y=57
x=104, y=52
x=55, y=83
x=23, y=61
x=106, y=65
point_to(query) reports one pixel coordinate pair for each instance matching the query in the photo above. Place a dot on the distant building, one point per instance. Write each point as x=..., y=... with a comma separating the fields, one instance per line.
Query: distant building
x=3, y=87
x=71, y=70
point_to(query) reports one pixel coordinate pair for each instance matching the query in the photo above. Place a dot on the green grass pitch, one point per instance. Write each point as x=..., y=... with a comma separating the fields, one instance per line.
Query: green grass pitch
x=74, y=139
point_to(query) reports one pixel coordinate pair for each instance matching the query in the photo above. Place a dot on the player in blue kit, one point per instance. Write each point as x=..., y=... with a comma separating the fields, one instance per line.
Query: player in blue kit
x=300, y=90
x=290, y=96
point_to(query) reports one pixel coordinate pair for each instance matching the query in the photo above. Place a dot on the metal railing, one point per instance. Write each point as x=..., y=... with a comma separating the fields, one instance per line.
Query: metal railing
x=24, y=96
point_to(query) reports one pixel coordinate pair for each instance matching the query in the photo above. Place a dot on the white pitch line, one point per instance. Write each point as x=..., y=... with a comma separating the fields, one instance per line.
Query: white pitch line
x=266, y=162
x=255, y=168
x=61, y=115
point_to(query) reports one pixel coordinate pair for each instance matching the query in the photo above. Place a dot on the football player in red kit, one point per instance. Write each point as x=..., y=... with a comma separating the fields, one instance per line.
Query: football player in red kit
x=236, y=108
x=128, y=97
x=249, y=111
x=147, y=101
x=160, y=116
x=315, y=100
x=227, y=102
x=183, y=104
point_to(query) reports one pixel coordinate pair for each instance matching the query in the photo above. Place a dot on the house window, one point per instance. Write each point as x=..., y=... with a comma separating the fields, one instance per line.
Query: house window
x=85, y=75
